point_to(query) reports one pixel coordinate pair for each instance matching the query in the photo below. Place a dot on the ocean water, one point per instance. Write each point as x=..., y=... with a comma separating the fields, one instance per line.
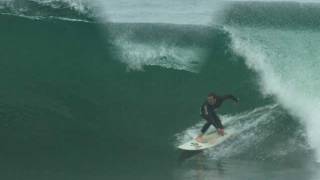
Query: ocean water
x=108, y=89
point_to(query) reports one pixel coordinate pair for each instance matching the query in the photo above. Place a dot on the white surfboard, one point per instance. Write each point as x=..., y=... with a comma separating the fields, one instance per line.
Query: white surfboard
x=209, y=140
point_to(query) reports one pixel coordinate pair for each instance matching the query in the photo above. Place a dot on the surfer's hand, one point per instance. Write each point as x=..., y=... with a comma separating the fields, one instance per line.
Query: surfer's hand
x=236, y=101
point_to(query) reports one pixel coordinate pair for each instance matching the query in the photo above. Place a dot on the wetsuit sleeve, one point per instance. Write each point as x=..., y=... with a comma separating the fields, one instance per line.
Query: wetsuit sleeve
x=229, y=96
x=205, y=113
x=205, y=110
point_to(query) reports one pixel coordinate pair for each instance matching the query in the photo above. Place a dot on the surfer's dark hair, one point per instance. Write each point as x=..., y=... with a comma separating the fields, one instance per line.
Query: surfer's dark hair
x=211, y=94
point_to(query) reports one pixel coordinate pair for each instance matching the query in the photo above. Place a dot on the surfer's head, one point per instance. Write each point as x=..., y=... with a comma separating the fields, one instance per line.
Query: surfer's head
x=211, y=98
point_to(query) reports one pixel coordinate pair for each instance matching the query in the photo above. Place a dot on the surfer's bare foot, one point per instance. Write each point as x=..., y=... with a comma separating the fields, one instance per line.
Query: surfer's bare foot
x=221, y=132
x=199, y=138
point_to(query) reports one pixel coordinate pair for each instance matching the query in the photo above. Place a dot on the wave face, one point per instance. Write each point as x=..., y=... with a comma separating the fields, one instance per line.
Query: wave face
x=91, y=100
x=142, y=11
x=72, y=98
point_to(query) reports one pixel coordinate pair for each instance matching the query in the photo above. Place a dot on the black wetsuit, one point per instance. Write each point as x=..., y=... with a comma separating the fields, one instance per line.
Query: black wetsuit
x=208, y=113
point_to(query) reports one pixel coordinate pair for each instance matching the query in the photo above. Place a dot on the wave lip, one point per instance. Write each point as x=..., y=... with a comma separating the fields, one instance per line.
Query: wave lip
x=273, y=14
x=201, y=12
x=76, y=10
x=174, y=12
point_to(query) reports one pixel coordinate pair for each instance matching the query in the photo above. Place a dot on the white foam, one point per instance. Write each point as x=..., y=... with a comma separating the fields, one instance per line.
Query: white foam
x=287, y=62
x=139, y=54
x=79, y=5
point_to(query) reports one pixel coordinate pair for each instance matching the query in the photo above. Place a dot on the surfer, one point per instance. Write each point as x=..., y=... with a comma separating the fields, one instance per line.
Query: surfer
x=208, y=113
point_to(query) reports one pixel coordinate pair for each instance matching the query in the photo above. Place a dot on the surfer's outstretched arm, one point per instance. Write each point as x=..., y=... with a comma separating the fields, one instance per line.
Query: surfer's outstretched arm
x=229, y=96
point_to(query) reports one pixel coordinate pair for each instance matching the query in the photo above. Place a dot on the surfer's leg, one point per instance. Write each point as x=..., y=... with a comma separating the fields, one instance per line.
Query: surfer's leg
x=205, y=127
x=203, y=130
x=218, y=125
x=216, y=122
x=207, y=124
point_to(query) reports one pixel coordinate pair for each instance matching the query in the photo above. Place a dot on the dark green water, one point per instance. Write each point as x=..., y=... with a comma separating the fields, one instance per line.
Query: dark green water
x=70, y=108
